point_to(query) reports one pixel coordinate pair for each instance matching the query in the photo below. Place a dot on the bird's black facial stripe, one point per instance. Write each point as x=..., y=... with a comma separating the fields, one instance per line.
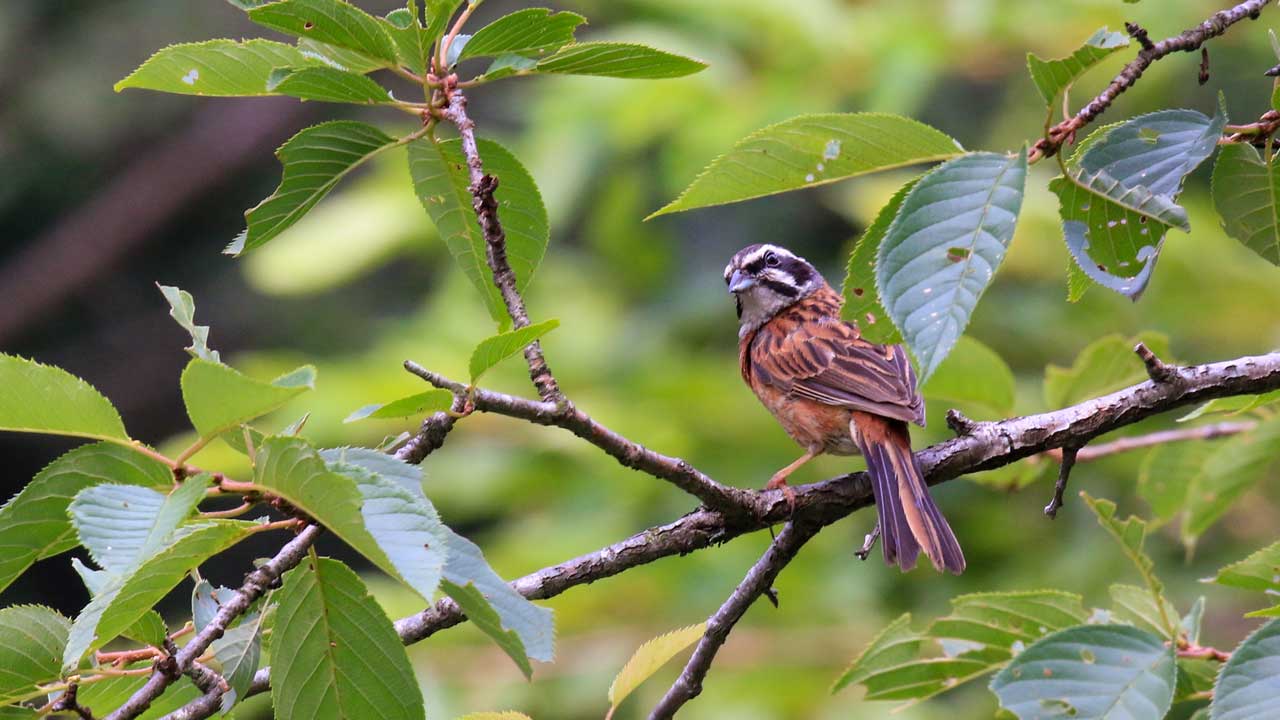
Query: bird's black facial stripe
x=782, y=288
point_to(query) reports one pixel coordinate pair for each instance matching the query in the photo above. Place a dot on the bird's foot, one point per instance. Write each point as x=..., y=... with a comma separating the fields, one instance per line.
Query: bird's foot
x=779, y=482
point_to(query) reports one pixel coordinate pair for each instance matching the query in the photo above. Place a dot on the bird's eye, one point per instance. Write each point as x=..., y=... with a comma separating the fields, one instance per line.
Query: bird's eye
x=771, y=260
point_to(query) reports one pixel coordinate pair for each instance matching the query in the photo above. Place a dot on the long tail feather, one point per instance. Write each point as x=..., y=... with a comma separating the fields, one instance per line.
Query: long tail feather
x=909, y=519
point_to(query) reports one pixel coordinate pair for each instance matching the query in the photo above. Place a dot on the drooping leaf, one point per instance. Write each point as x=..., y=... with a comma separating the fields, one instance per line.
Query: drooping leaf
x=441, y=180
x=237, y=655
x=650, y=656
x=1052, y=77
x=944, y=247
x=327, y=84
x=1250, y=681
x=813, y=150
x=495, y=349
x=861, y=298
x=387, y=466
x=420, y=404
x=1246, y=194
x=1130, y=534
x=1235, y=405
x=220, y=68
x=44, y=399
x=1260, y=571
x=1091, y=672
x=182, y=308
x=619, y=60
x=31, y=642
x=532, y=31
x=974, y=376
x=1105, y=365
x=123, y=525
x=34, y=524
x=344, y=657
x=1157, y=150
x=206, y=601
x=314, y=160
x=328, y=21
x=1168, y=473
x=219, y=398
x=1234, y=467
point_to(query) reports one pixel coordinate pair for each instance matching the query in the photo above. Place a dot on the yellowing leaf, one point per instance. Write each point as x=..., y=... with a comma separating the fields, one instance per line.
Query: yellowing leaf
x=648, y=658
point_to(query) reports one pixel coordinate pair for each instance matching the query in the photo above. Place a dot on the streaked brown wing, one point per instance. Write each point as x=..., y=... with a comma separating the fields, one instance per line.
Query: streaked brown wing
x=824, y=359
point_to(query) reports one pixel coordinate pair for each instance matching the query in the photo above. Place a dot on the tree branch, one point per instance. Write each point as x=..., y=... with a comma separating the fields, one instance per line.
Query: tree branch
x=1188, y=41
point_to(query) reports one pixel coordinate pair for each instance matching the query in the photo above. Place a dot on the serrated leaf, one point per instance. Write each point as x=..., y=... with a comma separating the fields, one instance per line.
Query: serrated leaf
x=328, y=21
x=861, y=298
x=327, y=84
x=182, y=308
x=337, y=57
x=441, y=180
x=1250, y=681
x=506, y=66
x=648, y=658
x=206, y=601
x=1235, y=405
x=314, y=161
x=1157, y=150
x=1234, y=467
x=31, y=642
x=122, y=525
x=345, y=659
x=974, y=376
x=34, y=524
x=387, y=466
x=1052, y=77
x=1245, y=191
x=1130, y=534
x=532, y=31
x=495, y=349
x=619, y=60
x=44, y=399
x=1077, y=282
x=237, y=655
x=942, y=250
x=148, y=630
x=813, y=150
x=438, y=13
x=220, y=68
x=412, y=44
x=219, y=398
x=1134, y=605
x=1260, y=571
x=523, y=630
x=127, y=595
x=422, y=403
x=112, y=692
x=1090, y=672
x=893, y=646
x=1105, y=365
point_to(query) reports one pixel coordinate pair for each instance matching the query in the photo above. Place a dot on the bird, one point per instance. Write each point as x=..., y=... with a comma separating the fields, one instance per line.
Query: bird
x=837, y=393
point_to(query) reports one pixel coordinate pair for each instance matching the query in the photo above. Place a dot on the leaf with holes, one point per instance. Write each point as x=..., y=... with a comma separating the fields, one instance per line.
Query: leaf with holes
x=219, y=398
x=1105, y=365
x=39, y=398
x=219, y=68
x=345, y=659
x=314, y=161
x=493, y=350
x=1250, y=681
x=1156, y=151
x=646, y=660
x=530, y=32
x=619, y=60
x=31, y=642
x=422, y=403
x=944, y=247
x=442, y=182
x=326, y=84
x=861, y=298
x=1052, y=77
x=1246, y=194
x=328, y=21
x=1090, y=672
x=813, y=150
x=182, y=308
x=974, y=377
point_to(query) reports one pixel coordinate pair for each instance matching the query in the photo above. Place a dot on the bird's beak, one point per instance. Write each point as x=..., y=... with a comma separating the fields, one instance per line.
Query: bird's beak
x=740, y=281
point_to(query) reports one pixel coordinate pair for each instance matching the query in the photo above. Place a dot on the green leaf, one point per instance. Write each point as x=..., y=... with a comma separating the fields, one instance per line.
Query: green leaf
x=973, y=375
x=532, y=31
x=861, y=297
x=1228, y=473
x=523, y=630
x=127, y=595
x=337, y=57
x=1130, y=534
x=813, y=150
x=1169, y=472
x=314, y=161
x=31, y=642
x=1105, y=365
x=1157, y=150
x=327, y=84
x=650, y=656
x=237, y=655
x=438, y=13
x=413, y=406
x=34, y=524
x=43, y=399
x=206, y=601
x=412, y=44
x=441, y=180
x=506, y=66
x=1077, y=282
x=495, y=349
x=1260, y=571
x=328, y=21
x=111, y=693
x=1052, y=77
x=219, y=398
x=148, y=630
x=1234, y=405
x=387, y=466
x=619, y=60
x=182, y=308
x=508, y=715
x=345, y=659
x=1090, y=672
x=220, y=68
x=1250, y=681
x=944, y=247
x=123, y=525
x=1134, y=605
x=1245, y=191
x=896, y=645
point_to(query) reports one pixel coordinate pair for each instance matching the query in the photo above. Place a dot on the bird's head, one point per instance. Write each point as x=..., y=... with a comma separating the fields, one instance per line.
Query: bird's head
x=765, y=279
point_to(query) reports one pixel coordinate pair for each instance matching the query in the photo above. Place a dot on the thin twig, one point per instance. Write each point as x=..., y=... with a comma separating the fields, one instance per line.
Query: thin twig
x=1163, y=437
x=1157, y=369
x=1069, y=453
x=868, y=543
x=68, y=703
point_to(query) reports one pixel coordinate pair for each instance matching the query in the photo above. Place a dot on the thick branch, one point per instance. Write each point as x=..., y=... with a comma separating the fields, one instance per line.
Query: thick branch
x=757, y=582
x=1188, y=41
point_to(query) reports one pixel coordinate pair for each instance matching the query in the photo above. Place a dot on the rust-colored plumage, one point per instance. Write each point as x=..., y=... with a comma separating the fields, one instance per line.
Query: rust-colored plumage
x=834, y=392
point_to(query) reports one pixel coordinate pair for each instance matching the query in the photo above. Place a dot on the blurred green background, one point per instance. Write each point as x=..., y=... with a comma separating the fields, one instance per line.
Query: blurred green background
x=104, y=194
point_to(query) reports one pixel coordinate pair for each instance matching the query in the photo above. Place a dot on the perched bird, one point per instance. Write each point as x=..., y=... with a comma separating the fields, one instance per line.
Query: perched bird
x=834, y=392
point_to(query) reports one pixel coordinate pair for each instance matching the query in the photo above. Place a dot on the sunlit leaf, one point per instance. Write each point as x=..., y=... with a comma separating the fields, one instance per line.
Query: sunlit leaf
x=1105, y=365
x=1246, y=194
x=219, y=398
x=495, y=349
x=412, y=44
x=619, y=60
x=532, y=31
x=215, y=68
x=328, y=21
x=974, y=376
x=1130, y=534
x=43, y=399
x=1052, y=77
x=31, y=641
x=417, y=405
x=1250, y=681
x=1157, y=150
x=1168, y=473
x=327, y=84
x=1136, y=606
x=1234, y=467
x=182, y=308
x=650, y=656
x=861, y=297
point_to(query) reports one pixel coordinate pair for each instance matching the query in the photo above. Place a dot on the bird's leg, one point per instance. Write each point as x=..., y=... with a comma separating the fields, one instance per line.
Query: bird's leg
x=868, y=543
x=779, y=479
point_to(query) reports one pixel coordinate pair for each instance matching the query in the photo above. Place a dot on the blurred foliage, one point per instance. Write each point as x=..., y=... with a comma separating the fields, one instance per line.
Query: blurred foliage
x=647, y=341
